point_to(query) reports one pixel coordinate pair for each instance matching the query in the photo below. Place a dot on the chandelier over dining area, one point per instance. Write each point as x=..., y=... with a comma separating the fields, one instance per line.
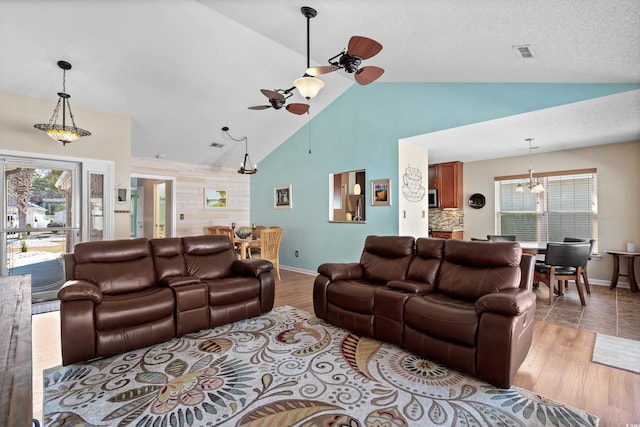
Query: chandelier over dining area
x=533, y=184
x=245, y=165
x=62, y=132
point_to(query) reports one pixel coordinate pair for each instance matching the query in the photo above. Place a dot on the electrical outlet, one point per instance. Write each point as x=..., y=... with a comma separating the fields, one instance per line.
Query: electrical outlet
x=296, y=254
x=181, y=216
x=460, y=221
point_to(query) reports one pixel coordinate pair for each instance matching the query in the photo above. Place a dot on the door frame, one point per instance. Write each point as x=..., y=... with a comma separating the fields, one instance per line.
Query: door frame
x=80, y=203
x=171, y=213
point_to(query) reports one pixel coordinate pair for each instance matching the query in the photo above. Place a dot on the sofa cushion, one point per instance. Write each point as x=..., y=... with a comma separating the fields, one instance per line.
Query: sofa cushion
x=168, y=259
x=386, y=258
x=353, y=295
x=424, y=265
x=134, y=308
x=472, y=269
x=209, y=257
x=231, y=290
x=116, y=266
x=448, y=319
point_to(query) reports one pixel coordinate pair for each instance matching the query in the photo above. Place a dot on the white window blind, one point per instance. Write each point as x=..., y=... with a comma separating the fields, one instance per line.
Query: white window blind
x=567, y=208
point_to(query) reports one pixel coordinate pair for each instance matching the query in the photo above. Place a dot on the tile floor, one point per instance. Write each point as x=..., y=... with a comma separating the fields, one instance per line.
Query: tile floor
x=613, y=312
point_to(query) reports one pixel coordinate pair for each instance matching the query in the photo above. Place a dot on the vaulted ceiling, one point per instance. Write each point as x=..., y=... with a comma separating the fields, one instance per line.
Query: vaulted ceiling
x=183, y=69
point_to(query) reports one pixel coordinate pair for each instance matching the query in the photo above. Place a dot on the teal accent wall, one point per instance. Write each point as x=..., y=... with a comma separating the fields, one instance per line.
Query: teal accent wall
x=360, y=130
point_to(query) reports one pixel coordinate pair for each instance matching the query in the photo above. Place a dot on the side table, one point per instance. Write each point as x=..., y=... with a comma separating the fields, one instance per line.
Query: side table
x=630, y=256
x=15, y=351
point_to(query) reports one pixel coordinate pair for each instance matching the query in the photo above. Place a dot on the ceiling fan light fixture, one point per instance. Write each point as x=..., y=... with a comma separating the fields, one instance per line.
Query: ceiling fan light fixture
x=61, y=132
x=308, y=86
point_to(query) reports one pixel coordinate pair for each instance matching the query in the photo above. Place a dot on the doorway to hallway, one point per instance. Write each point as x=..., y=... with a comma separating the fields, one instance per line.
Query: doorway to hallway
x=152, y=206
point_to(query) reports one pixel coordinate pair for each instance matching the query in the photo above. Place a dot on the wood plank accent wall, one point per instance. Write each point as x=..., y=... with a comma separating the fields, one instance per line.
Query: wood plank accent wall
x=191, y=180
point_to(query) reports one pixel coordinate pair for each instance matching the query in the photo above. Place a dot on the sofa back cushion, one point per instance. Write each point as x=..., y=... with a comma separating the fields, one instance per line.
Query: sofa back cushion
x=168, y=258
x=386, y=258
x=209, y=257
x=425, y=264
x=470, y=270
x=116, y=266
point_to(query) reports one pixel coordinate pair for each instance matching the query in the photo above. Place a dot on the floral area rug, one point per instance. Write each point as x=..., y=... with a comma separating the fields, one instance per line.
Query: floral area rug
x=285, y=368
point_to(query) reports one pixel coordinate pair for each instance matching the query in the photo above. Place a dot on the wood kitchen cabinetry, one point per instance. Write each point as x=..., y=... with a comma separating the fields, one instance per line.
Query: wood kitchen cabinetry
x=447, y=234
x=447, y=179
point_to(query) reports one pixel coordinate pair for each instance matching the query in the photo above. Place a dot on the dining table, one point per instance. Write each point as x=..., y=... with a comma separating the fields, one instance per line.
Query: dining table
x=245, y=246
x=534, y=248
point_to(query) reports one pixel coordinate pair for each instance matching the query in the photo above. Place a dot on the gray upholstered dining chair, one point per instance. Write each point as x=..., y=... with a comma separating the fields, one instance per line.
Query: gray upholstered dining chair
x=563, y=261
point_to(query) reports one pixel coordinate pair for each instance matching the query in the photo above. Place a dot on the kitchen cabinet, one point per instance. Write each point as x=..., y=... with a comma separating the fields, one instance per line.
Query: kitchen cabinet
x=447, y=179
x=447, y=234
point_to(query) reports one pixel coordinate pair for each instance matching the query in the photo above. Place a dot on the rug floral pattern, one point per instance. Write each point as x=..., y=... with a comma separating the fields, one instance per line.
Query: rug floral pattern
x=285, y=368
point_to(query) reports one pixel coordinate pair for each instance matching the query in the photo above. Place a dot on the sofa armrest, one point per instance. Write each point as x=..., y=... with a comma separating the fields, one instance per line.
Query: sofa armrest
x=74, y=290
x=252, y=267
x=172, y=282
x=410, y=286
x=510, y=302
x=341, y=271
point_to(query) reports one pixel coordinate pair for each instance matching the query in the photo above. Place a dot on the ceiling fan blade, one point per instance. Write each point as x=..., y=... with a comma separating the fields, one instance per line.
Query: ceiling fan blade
x=296, y=108
x=260, y=107
x=316, y=71
x=363, y=47
x=366, y=75
x=272, y=94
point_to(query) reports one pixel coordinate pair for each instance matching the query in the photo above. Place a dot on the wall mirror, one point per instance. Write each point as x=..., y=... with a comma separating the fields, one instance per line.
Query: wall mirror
x=347, y=196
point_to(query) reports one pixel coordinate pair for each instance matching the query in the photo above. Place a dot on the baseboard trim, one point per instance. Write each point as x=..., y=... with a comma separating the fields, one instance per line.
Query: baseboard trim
x=299, y=270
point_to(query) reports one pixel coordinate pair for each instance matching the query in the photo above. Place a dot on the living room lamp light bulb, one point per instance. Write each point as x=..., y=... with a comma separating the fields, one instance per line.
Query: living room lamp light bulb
x=307, y=85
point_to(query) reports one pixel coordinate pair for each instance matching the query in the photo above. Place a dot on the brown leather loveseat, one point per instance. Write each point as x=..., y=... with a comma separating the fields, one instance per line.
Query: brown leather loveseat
x=121, y=295
x=467, y=305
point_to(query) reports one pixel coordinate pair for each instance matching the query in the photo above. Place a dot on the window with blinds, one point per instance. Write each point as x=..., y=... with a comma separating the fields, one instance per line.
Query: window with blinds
x=567, y=208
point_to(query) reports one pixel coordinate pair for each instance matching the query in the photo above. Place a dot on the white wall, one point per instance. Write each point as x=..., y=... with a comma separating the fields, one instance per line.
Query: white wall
x=110, y=138
x=618, y=168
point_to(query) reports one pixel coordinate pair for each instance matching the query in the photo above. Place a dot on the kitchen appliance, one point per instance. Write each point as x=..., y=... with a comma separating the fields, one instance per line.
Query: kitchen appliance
x=433, y=198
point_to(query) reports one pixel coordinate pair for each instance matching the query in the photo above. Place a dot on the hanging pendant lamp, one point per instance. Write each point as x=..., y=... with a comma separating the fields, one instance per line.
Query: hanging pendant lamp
x=245, y=166
x=308, y=86
x=532, y=184
x=61, y=132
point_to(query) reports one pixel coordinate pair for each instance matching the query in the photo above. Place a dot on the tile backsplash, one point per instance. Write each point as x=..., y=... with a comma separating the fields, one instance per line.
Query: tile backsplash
x=446, y=219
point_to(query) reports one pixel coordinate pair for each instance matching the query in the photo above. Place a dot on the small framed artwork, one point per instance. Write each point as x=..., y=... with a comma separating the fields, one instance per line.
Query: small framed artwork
x=282, y=197
x=381, y=192
x=122, y=195
x=215, y=198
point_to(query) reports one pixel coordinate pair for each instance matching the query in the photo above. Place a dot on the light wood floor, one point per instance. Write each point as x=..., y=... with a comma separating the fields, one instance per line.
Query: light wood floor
x=557, y=367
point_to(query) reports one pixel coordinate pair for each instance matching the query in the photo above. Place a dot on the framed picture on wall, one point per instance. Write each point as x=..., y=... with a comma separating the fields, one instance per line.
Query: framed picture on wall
x=215, y=198
x=381, y=192
x=282, y=197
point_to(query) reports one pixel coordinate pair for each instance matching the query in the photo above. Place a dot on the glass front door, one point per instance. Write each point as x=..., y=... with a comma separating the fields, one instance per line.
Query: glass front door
x=39, y=204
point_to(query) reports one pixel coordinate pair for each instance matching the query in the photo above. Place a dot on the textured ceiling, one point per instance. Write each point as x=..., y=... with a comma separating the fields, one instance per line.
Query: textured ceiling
x=182, y=69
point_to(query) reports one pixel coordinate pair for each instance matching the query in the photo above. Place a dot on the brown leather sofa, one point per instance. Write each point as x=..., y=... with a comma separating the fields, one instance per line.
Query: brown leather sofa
x=121, y=295
x=467, y=305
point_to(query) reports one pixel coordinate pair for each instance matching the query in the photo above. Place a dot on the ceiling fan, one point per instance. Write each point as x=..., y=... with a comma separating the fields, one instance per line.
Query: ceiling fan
x=278, y=98
x=359, y=49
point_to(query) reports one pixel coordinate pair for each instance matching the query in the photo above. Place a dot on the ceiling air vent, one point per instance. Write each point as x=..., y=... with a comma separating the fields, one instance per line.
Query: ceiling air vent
x=524, y=51
x=216, y=145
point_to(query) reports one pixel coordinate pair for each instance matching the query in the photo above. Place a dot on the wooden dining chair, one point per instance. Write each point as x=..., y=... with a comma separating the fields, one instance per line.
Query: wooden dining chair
x=563, y=261
x=270, y=239
x=221, y=229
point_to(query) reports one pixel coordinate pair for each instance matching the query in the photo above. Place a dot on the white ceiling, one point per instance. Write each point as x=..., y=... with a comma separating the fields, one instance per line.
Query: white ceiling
x=182, y=69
